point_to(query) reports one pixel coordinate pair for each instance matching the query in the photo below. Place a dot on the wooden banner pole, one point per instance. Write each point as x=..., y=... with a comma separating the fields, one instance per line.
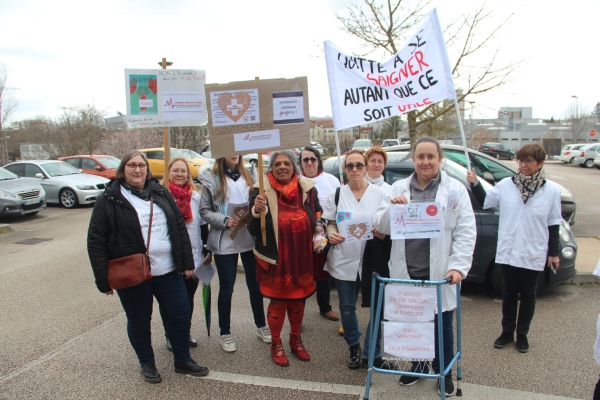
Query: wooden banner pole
x=166, y=139
x=261, y=191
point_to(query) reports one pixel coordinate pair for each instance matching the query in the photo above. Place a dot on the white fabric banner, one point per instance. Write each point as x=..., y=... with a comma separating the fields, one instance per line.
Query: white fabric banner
x=365, y=91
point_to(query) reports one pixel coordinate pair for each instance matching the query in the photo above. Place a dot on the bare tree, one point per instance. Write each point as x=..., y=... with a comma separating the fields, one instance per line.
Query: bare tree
x=8, y=104
x=381, y=25
x=481, y=136
x=578, y=116
x=119, y=143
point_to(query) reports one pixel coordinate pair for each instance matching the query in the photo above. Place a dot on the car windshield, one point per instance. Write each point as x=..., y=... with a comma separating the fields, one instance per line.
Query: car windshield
x=110, y=162
x=362, y=143
x=6, y=175
x=179, y=153
x=60, y=169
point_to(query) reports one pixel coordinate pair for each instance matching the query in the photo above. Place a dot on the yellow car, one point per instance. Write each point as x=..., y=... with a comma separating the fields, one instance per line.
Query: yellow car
x=156, y=160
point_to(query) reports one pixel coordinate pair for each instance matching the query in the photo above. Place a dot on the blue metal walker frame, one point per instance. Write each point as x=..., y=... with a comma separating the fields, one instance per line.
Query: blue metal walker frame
x=375, y=323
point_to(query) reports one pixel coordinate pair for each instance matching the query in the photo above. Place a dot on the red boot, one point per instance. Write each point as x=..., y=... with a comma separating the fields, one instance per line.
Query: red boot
x=278, y=354
x=298, y=348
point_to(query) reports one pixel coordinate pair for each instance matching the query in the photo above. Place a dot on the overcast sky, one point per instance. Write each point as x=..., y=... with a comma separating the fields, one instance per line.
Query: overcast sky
x=69, y=53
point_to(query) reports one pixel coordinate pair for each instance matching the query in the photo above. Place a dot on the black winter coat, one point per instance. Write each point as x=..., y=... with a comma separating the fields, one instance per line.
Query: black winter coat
x=115, y=232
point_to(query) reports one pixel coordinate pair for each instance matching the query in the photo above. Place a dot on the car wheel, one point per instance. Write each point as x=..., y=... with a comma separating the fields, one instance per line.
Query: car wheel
x=511, y=157
x=68, y=198
x=589, y=163
x=497, y=156
x=571, y=160
x=496, y=279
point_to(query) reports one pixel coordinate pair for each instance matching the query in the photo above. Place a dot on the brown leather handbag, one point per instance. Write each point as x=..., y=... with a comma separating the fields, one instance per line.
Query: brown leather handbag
x=134, y=269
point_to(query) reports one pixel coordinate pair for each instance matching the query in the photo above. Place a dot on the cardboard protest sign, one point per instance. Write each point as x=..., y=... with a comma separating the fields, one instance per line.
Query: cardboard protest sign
x=258, y=115
x=409, y=303
x=409, y=341
x=365, y=91
x=416, y=220
x=163, y=98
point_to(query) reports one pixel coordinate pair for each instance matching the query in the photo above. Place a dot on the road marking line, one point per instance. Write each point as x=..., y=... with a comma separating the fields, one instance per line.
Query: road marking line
x=557, y=177
x=50, y=355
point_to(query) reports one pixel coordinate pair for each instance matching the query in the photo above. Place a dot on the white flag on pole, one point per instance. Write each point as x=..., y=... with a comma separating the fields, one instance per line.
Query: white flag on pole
x=365, y=91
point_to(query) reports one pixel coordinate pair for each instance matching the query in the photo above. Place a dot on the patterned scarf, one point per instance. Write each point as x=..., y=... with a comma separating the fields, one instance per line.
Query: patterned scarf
x=234, y=175
x=528, y=185
x=183, y=196
x=289, y=191
x=143, y=194
x=375, y=181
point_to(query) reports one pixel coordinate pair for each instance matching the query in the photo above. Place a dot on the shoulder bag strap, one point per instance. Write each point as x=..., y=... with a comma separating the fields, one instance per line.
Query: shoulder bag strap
x=150, y=224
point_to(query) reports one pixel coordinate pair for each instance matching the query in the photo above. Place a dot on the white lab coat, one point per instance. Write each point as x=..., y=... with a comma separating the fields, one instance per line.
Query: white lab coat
x=452, y=251
x=193, y=228
x=523, y=233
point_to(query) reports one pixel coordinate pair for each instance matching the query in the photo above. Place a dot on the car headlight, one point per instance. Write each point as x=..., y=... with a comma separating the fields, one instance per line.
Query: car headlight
x=568, y=252
x=564, y=234
x=4, y=193
x=86, y=187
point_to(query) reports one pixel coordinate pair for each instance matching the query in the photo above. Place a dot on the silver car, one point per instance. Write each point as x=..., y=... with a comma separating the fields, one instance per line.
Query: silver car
x=586, y=154
x=20, y=196
x=63, y=183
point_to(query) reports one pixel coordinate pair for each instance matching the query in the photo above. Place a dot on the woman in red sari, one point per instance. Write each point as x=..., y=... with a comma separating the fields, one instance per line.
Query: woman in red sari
x=284, y=268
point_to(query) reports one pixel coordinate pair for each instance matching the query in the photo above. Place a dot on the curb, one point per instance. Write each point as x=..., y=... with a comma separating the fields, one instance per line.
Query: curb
x=584, y=278
x=4, y=228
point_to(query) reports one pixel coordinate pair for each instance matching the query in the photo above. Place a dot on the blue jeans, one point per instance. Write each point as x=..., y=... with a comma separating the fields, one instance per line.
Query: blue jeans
x=348, y=294
x=170, y=292
x=227, y=270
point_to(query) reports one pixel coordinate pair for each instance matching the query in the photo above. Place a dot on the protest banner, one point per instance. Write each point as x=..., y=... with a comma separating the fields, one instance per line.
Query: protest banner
x=416, y=220
x=409, y=341
x=258, y=115
x=165, y=98
x=409, y=303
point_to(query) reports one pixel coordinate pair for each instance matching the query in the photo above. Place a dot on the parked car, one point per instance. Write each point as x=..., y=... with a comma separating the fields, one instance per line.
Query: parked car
x=193, y=155
x=484, y=268
x=318, y=146
x=488, y=168
x=497, y=150
x=20, y=196
x=390, y=142
x=64, y=184
x=362, y=144
x=251, y=158
x=105, y=166
x=597, y=161
x=569, y=152
x=156, y=160
x=586, y=155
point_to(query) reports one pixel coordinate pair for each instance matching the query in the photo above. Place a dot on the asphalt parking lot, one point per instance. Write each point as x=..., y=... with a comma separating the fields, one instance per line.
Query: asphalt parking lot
x=61, y=338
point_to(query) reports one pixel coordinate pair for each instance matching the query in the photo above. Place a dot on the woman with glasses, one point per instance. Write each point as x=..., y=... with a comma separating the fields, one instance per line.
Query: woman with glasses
x=119, y=228
x=448, y=256
x=528, y=238
x=224, y=205
x=181, y=185
x=358, y=201
x=285, y=270
x=312, y=168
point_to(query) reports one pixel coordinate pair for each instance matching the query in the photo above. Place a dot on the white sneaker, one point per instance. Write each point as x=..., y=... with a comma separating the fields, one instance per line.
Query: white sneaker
x=264, y=333
x=227, y=343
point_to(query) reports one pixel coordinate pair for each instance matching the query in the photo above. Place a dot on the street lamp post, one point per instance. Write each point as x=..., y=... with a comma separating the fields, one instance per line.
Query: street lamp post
x=471, y=122
x=576, y=128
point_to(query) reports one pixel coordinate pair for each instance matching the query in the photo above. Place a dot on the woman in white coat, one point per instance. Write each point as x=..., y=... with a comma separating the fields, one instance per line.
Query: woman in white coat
x=181, y=185
x=433, y=259
x=357, y=200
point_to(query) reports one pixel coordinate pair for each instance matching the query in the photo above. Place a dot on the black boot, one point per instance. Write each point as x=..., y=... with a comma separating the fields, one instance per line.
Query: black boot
x=504, y=340
x=355, y=359
x=150, y=373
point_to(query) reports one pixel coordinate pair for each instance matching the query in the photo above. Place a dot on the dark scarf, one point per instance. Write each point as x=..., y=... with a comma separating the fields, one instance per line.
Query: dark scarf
x=143, y=194
x=528, y=185
x=182, y=196
x=235, y=175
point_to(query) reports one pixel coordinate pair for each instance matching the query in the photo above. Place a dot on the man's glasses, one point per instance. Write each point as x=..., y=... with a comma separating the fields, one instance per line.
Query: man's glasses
x=133, y=166
x=311, y=159
x=358, y=166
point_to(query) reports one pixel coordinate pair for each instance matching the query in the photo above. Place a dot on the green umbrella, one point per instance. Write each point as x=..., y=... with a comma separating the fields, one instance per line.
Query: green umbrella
x=206, y=301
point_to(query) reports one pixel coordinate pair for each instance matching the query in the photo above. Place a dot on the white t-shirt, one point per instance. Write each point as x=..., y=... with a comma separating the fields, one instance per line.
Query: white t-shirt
x=325, y=184
x=237, y=193
x=161, y=259
x=344, y=260
x=523, y=233
x=193, y=228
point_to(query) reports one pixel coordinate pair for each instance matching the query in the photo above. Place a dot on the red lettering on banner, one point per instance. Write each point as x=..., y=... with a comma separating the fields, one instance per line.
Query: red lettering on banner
x=407, y=70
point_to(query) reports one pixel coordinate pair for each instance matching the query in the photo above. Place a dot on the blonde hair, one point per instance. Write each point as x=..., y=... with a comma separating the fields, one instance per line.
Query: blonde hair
x=165, y=180
x=218, y=171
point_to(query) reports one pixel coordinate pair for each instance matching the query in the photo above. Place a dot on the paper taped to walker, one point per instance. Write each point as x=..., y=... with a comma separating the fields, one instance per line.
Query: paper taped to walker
x=416, y=220
x=409, y=303
x=409, y=341
x=356, y=230
x=204, y=272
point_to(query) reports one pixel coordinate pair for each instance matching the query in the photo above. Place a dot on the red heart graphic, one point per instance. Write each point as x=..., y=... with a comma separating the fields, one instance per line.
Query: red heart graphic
x=152, y=85
x=234, y=106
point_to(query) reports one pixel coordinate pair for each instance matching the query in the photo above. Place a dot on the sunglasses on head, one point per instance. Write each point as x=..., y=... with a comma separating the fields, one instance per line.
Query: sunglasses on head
x=358, y=166
x=311, y=159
